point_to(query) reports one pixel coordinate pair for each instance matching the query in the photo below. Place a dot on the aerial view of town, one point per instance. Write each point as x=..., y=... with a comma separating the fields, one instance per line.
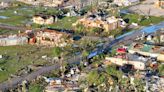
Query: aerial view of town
x=81, y=45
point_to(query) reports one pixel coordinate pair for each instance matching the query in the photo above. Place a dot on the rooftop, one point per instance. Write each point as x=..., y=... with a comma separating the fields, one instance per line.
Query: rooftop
x=147, y=48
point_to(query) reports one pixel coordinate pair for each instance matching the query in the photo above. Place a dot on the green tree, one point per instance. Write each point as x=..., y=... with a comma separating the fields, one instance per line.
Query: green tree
x=161, y=69
x=139, y=84
x=94, y=77
x=111, y=70
x=57, y=51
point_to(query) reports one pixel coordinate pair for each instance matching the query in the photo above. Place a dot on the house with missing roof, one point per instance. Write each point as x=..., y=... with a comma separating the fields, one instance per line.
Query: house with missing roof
x=13, y=40
x=148, y=50
x=43, y=19
x=122, y=58
x=94, y=21
x=51, y=38
x=28, y=37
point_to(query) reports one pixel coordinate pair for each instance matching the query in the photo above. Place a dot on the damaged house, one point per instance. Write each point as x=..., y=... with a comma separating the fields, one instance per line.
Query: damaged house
x=27, y=37
x=109, y=23
x=123, y=58
x=51, y=38
x=148, y=50
x=13, y=40
x=43, y=19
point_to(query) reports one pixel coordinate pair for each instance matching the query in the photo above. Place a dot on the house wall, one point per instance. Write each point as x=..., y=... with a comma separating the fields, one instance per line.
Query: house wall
x=41, y=21
x=38, y=20
x=159, y=4
x=162, y=38
x=55, y=39
x=99, y=23
x=160, y=57
x=112, y=26
x=137, y=64
x=13, y=41
x=49, y=20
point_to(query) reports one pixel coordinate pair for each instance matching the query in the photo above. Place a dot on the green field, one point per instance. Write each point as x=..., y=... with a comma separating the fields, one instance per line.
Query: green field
x=18, y=57
x=16, y=16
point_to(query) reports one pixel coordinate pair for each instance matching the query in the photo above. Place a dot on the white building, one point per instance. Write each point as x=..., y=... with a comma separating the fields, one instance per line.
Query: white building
x=13, y=40
x=121, y=62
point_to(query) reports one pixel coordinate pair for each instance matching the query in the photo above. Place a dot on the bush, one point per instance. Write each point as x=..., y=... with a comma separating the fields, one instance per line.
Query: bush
x=94, y=77
x=111, y=70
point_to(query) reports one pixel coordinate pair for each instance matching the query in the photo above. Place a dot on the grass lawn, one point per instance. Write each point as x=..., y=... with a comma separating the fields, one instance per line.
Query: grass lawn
x=22, y=16
x=144, y=22
x=30, y=55
x=64, y=23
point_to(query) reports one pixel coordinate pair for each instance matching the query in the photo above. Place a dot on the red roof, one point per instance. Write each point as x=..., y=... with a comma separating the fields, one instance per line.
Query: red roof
x=121, y=50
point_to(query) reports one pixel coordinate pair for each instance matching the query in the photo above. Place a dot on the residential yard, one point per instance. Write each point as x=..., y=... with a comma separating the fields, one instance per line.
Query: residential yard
x=19, y=57
x=64, y=23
